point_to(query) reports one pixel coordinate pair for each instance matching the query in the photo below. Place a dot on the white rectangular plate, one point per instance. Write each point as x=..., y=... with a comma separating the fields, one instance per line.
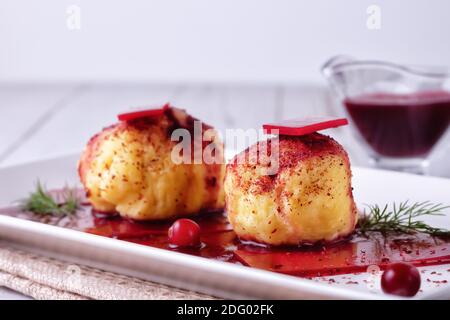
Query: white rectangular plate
x=213, y=277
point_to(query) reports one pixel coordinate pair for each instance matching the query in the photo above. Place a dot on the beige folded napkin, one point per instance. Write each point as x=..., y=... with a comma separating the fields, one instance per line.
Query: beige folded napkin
x=45, y=278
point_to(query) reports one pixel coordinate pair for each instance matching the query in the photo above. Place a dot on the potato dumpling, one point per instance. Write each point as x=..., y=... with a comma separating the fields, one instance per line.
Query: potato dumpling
x=128, y=168
x=308, y=200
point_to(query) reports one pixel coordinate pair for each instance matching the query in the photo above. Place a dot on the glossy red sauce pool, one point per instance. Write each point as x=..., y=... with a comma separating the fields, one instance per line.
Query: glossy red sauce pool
x=219, y=242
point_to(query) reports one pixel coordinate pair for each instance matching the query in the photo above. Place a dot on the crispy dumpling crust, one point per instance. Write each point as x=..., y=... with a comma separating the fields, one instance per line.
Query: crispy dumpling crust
x=308, y=200
x=127, y=168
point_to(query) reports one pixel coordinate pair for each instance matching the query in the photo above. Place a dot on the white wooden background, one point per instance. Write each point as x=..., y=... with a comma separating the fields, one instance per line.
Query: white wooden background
x=43, y=121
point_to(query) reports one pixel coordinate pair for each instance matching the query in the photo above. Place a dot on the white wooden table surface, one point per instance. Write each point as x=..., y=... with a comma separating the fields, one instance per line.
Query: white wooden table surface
x=42, y=121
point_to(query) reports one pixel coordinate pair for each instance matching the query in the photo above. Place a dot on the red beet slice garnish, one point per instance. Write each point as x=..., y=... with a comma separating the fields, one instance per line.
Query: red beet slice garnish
x=305, y=126
x=142, y=113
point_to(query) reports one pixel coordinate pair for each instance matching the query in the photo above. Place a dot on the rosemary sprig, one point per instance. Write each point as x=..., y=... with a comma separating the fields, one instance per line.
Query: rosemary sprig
x=42, y=202
x=402, y=218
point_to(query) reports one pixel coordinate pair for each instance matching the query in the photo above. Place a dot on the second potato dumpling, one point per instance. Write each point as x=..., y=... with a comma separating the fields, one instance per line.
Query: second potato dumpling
x=308, y=200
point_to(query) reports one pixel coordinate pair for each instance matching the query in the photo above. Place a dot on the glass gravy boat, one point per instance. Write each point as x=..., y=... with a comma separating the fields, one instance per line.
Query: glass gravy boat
x=399, y=113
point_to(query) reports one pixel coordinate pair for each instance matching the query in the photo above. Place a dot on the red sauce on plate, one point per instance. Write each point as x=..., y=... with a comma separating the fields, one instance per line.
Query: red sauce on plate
x=219, y=242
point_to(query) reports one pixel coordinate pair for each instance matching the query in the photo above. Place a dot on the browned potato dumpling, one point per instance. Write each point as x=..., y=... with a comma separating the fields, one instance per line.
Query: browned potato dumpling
x=128, y=168
x=308, y=200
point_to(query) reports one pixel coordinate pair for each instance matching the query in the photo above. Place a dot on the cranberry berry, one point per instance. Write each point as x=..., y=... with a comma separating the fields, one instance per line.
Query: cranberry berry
x=184, y=233
x=402, y=279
